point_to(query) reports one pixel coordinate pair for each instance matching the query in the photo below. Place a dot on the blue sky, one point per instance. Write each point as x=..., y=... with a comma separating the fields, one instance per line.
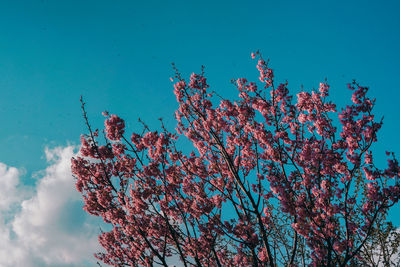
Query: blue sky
x=118, y=55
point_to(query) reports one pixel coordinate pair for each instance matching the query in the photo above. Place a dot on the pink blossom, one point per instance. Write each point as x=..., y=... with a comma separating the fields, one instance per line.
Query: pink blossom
x=115, y=127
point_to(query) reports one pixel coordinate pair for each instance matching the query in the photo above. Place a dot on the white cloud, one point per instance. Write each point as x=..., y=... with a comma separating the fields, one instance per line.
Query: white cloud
x=8, y=186
x=46, y=227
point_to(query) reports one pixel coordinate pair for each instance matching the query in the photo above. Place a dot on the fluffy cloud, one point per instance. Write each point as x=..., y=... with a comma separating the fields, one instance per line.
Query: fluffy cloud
x=8, y=186
x=45, y=225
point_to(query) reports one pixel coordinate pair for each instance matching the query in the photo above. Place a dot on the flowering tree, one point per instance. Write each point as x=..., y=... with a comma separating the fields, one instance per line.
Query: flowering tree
x=272, y=181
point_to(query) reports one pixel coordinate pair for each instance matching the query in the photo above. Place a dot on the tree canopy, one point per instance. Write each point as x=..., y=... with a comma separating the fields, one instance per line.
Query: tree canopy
x=273, y=180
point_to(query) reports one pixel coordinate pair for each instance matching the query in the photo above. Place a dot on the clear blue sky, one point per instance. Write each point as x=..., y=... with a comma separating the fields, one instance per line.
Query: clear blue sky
x=117, y=54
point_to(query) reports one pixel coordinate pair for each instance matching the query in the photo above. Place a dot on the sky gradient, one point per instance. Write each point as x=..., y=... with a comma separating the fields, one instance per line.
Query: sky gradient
x=118, y=55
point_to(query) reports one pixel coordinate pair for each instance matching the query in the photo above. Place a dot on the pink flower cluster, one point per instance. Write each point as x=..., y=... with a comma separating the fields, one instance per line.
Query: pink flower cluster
x=115, y=127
